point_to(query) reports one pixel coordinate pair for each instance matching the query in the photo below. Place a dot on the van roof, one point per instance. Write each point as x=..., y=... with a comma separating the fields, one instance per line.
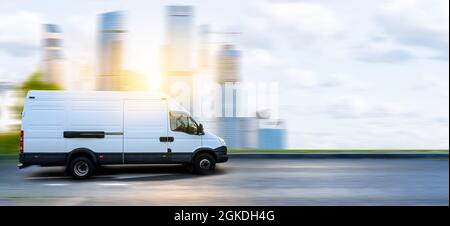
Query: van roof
x=104, y=95
x=57, y=94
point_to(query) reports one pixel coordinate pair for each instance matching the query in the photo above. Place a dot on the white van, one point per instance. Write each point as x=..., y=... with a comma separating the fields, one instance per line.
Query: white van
x=82, y=130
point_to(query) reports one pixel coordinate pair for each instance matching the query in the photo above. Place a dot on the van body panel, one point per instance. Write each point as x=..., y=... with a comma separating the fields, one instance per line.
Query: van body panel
x=184, y=142
x=95, y=114
x=45, y=125
x=145, y=122
x=210, y=140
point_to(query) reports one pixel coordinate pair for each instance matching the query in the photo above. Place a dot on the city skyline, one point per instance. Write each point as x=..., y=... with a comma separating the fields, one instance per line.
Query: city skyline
x=354, y=87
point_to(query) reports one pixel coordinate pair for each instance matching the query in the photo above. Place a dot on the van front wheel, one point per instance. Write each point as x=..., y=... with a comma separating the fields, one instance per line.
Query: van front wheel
x=81, y=168
x=204, y=164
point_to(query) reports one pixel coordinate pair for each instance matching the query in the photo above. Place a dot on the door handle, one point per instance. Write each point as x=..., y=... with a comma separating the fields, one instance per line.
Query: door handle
x=166, y=139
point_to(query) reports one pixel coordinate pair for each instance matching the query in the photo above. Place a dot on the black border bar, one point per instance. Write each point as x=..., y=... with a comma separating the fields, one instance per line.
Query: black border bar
x=283, y=215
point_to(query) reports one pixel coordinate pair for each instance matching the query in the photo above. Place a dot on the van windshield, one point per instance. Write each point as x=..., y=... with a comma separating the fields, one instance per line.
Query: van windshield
x=182, y=122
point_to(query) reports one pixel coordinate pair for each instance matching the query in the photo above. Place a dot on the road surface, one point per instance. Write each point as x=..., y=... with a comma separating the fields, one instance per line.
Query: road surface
x=237, y=182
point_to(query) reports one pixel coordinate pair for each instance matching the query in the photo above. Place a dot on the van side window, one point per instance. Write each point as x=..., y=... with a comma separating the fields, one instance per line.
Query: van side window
x=192, y=126
x=181, y=122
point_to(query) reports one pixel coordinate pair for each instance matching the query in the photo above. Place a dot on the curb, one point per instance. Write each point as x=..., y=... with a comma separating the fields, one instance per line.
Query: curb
x=336, y=155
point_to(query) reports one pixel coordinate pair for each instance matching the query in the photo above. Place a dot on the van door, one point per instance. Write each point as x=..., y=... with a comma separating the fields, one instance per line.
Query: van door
x=185, y=140
x=145, y=122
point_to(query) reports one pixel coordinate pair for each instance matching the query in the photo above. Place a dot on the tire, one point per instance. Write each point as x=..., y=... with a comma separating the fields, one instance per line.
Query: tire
x=81, y=168
x=204, y=164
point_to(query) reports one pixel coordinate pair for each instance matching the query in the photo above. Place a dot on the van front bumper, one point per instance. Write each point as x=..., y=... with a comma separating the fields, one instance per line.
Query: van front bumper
x=221, y=154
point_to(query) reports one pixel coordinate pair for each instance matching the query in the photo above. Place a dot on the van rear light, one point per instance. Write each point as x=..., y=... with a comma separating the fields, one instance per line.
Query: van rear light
x=21, y=142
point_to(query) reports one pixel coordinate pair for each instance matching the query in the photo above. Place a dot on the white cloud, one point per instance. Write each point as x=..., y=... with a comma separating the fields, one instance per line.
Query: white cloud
x=302, y=78
x=434, y=84
x=432, y=15
x=20, y=27
x=419, y=23
x=369, y=103
x=19, y=43
x=292, y=24
x=382, y=50
x=307, y=78
x=344, y=80
x=309, y=19
x=349, y=107
x=260, y=58
x=394, y=32
x=387, y=109
x=359, y=107
x=83, y=43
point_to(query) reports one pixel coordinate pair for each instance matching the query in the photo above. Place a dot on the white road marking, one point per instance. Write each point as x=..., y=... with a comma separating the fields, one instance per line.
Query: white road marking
x=112, y=184
x=56, y=184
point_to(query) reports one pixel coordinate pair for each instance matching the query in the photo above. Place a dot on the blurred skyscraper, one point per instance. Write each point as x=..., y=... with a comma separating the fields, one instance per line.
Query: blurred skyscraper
x=179, y=29
x=53, y=63
x=239, y=132
x=204, y=48
x=178, y=54
x=110, y=51
x=204, y=85
x=228, y=75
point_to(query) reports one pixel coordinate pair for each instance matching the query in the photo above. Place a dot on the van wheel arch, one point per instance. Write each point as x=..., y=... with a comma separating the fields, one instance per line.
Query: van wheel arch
x=204, y=150
x=81, y=152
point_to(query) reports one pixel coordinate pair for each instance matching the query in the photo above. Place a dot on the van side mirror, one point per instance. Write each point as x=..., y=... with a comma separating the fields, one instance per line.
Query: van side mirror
x=200, y=130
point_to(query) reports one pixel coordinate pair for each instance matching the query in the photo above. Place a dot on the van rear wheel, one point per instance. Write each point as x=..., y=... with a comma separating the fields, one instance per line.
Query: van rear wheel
x=81, y=168
x=204, y=164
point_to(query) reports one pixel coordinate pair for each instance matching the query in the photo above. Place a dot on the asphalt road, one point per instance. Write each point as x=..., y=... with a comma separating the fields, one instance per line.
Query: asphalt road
x=237, y=182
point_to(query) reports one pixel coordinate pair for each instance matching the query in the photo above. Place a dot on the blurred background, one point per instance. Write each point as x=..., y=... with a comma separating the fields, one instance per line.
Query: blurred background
x=264, y=75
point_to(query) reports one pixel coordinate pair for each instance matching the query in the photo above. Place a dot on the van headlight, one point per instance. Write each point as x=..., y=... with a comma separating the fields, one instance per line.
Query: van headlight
x=222, y=141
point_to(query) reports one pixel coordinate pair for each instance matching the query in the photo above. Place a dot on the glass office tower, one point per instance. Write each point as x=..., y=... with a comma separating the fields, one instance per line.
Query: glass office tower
x=111, y=33
x=53, y=59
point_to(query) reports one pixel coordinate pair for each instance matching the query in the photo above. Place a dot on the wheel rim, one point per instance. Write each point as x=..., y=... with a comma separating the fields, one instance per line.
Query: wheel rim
x=205, y=164
x=81, y=168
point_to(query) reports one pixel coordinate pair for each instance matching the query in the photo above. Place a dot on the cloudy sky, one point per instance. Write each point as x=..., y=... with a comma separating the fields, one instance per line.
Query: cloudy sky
x=352, y=74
